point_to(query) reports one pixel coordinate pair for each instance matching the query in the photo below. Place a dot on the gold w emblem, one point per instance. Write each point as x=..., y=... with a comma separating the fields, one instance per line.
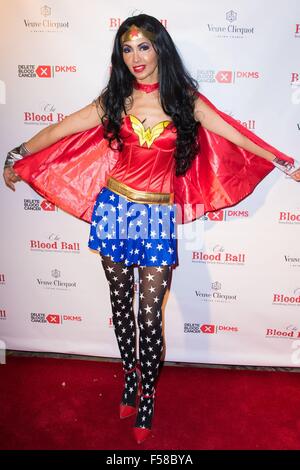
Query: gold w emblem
x=149, y=135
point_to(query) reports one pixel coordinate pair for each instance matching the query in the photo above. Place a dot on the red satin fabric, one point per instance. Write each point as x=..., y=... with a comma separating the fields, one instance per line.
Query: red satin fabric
x=222, y=174
x=71, y=172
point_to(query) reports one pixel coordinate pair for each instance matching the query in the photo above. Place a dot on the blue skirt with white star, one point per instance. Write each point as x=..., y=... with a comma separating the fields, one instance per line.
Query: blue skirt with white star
x=132, y=232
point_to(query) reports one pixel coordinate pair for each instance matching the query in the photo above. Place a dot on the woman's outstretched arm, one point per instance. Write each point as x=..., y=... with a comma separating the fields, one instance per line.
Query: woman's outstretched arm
x=213, y=122
x=81, y=120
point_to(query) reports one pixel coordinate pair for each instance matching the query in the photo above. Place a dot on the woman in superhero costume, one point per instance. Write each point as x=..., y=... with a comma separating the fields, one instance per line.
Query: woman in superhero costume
x=144, y=156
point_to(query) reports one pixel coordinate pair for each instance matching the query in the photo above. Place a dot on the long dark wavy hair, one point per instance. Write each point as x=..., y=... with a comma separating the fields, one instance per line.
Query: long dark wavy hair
x=178, y=91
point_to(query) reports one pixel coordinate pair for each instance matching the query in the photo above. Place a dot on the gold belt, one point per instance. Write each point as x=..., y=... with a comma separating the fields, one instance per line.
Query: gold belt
x=135, y=195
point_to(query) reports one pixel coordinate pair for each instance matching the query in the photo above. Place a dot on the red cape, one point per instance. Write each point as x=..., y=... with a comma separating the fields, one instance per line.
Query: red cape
x=71, y=172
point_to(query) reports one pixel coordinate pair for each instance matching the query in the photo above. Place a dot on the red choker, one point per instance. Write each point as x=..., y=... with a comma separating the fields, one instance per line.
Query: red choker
x=147, y=88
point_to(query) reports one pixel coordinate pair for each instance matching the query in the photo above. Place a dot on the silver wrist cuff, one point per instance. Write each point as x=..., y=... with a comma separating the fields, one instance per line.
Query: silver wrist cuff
x=285, y=166
x=16, y=154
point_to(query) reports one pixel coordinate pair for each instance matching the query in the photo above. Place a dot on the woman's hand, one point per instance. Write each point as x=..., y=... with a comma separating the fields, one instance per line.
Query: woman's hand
x=10, y=177
x=296, y=175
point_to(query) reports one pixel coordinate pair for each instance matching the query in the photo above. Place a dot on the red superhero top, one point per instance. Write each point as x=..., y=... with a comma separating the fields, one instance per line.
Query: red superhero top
x=71, y=172
x=147, y=160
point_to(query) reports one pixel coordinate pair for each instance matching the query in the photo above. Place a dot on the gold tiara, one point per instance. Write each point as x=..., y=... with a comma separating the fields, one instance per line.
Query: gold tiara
x=134, y=32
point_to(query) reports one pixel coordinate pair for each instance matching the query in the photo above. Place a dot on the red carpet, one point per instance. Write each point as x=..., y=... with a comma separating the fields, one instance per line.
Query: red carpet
x=73, y=404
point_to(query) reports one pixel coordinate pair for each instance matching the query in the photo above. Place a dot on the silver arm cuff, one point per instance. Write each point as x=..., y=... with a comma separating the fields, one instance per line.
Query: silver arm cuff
x=285, y=166
x=16, y=154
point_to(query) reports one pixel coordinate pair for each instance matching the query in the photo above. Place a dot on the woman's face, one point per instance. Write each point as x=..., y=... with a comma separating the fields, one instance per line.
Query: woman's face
x=141, y=59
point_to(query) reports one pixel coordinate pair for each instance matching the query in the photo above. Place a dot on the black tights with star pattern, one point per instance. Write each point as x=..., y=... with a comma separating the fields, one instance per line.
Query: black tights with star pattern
x=153, y=283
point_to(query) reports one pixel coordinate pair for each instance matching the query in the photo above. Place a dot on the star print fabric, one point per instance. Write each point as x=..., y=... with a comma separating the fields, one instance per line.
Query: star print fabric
x=153, y=283
x=121, y=286
x=135, y=233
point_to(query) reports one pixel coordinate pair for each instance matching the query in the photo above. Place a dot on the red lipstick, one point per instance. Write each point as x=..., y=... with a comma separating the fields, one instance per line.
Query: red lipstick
x=139, y=68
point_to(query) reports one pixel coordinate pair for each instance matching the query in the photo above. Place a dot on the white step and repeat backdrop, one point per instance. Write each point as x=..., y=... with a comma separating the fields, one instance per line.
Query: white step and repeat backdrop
x=234, y=300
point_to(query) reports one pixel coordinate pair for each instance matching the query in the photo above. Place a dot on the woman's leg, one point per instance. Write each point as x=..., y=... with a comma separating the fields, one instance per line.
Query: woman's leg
x=121, y=284
x=154, y=281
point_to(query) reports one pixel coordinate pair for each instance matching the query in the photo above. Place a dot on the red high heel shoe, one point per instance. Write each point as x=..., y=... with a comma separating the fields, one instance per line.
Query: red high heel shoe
x=128, y=410
x=142, y=433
